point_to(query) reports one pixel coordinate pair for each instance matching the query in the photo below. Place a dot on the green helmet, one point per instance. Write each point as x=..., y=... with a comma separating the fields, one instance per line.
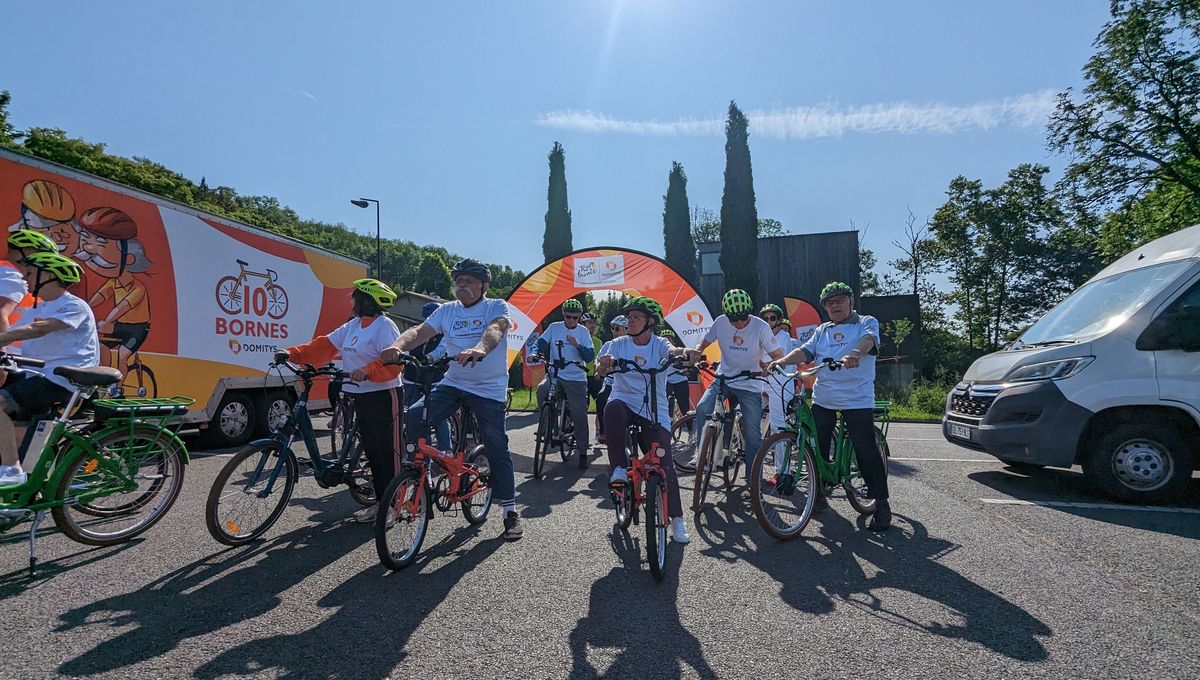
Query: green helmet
x=62, y=268
x=34, y=241
x=771, y=307
x=572, y=305
x=378, y=291
x=737, y=302
x=667, y=333
x=645, y=305
x=835, y=289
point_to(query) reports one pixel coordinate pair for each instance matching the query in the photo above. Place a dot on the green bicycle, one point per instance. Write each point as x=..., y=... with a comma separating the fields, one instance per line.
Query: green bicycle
x=786, y=472
x=105, y=477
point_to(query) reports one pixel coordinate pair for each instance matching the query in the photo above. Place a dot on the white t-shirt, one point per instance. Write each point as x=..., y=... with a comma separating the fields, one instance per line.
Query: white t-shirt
x=608, y=379
x=742, y=349
x=786, y=343
x=360, y=346
x=847, y=387
x=630, y=388
x=75, y=346
x=462, y=327
x=558, y=332
x=12, y=284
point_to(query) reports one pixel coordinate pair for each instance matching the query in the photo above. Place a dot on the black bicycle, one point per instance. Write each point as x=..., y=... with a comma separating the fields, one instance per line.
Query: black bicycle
x=556, y=430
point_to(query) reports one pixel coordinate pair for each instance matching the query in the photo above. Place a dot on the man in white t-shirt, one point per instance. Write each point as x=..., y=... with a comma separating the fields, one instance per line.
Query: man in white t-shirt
x=743, y=340
x=853, y=339
x=61, y=331
x=780, y=388
x=474, y=331
x=569, y=341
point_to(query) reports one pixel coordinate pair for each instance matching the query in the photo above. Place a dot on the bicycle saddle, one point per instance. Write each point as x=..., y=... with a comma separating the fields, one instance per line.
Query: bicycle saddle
x=96, y=376
x=243, y=263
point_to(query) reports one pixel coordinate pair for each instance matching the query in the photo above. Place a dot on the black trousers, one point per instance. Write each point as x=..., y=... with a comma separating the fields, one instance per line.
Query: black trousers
x=601, y=398
x=679, y=394
x=860, y=425
x=378, y=415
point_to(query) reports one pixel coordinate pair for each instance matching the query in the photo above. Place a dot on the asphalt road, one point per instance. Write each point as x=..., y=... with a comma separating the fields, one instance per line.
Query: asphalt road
x=976, y=580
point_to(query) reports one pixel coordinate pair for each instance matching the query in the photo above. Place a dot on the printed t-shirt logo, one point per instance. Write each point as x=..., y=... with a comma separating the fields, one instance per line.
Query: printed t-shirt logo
x=838, y=336
x=737, y=340
x=639, y=360
x=459, y=325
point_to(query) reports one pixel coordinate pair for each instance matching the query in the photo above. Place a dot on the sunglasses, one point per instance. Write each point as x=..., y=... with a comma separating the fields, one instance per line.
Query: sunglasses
x=571, y=317
x=771, y=317
x=739, y=317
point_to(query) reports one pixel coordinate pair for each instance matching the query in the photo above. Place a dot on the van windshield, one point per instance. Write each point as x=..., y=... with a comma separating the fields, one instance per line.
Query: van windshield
x=1101, y=306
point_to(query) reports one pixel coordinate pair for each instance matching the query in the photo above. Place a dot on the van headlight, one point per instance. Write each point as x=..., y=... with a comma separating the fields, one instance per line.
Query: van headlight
x=1049, y=370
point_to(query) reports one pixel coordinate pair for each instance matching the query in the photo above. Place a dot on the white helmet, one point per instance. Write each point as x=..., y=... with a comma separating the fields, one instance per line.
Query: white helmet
x=619, y=321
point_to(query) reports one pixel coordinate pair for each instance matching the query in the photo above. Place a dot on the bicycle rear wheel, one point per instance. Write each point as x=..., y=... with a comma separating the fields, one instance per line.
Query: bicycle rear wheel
x=544, y=438
x=855, y=486
x=783, y=486
x=475, y=508
x=339, y=426
x=736, y=453
x=656, y=525
x=402, y=520
x=683, y=437
x=244, y=502
x=150, y=458
x=704, y=465
x=567, y=427
x=360, y=478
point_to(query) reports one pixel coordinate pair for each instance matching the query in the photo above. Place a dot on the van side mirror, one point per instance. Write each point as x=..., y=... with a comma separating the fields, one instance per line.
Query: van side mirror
x=1177, y=329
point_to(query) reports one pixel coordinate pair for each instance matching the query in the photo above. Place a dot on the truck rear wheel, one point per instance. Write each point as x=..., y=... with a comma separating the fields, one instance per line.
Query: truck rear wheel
x=1140, y=463
x=271, y=410
x=233, y=423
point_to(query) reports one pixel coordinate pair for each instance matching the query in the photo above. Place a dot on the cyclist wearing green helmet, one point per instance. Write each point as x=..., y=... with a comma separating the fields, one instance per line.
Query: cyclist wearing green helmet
x=568, y=340
x=780, y=388
x=628, y=402
x=13, y=290
x=853, y=339
x=378, y=401
x=744, y=340
x=62, y=333
x=475, y=332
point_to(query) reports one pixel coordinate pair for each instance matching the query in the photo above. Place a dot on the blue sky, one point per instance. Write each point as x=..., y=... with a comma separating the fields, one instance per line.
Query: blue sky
x=446, y=111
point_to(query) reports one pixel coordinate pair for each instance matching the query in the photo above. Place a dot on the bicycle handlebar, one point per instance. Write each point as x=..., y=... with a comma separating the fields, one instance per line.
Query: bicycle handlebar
x=18, y=360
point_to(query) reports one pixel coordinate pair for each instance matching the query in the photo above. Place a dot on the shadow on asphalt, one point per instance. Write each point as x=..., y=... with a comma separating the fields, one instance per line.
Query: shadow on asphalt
x=240, y=584
x=619, y=617
x=1054, y=484
x=906, y=559
x=18, y=581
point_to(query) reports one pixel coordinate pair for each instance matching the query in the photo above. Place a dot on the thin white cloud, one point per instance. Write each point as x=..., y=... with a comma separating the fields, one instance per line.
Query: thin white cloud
x=308, y=94
x=829, y=120
x=301, y=93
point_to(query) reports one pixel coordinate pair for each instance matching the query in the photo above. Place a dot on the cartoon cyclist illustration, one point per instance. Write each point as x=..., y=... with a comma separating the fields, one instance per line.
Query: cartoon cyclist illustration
x=49, y=208
x=108, y=246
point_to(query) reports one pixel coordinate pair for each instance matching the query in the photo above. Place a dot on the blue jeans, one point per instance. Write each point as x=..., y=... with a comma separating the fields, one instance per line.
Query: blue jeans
x=750, y=402
x=490, y=416
x=441, y=428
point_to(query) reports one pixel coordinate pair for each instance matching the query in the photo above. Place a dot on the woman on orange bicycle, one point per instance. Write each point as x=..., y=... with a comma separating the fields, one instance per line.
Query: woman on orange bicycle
x=376, y=388
x=627, y=402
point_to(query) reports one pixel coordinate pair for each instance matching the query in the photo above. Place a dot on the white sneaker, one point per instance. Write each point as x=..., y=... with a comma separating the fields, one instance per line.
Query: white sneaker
x=12, y=474
x=689, y=466
x=619, y=476
x=679, y=532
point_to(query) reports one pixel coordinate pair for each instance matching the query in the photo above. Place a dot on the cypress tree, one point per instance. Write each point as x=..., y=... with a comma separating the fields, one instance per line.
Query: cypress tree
x=556, y=241
x=433, y=277
x=739, y=217
x=678, y=247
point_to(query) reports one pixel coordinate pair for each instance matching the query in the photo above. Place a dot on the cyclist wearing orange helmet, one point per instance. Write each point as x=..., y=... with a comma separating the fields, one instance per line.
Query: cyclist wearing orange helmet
x=108, y=247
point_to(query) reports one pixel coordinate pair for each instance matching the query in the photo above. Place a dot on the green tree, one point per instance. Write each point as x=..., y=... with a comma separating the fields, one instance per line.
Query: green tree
x=706, y=225
x=868, y=278
x=678, y=247
x=433, y=277
x=1135, y=128
x=556, y=241
x=768, y=227
x=739, y=216
x=8, y=133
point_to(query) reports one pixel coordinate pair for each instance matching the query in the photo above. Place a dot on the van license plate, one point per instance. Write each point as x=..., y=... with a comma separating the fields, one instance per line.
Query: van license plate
x=960, y=431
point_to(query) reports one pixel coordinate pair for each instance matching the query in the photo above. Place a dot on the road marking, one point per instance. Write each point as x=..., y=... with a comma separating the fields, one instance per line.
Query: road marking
x=1090, y=506
x=948, y=460
x=914, y=439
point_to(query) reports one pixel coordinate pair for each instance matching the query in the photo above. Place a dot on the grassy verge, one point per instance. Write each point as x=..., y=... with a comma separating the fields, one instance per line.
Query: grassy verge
x=901, y=412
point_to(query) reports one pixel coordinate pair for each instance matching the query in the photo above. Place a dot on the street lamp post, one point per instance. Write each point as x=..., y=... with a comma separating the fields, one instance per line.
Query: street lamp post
x=362, y=203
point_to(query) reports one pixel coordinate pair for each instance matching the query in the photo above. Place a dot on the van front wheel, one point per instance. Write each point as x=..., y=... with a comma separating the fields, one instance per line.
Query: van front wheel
x=1140, y=463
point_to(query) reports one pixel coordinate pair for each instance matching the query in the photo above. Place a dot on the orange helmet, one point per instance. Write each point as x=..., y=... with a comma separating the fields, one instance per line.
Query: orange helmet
x=48, y=200
x=109, y=223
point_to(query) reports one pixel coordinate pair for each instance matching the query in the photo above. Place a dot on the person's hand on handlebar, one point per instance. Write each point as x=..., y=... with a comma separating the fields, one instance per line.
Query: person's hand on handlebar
x=851, y=359
x=282, y=357
x=470, y=357
x=390, y=355
x=604, y=365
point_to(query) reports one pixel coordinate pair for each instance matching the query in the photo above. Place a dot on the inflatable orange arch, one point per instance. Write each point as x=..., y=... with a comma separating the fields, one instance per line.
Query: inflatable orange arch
x=605, y=268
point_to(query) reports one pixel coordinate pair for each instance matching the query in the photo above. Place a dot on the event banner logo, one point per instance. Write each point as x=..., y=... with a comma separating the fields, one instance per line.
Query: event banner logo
x=690, y=321
x=600, y=272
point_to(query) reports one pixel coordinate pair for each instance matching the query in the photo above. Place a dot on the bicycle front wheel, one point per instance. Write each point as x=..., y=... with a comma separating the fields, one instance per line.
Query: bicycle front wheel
x=148, y=456
x=360, y=478
x=250, y=493
x=402, y=520
x=547, y=423
x=783, y=485
x=704, y=465
x=656, y=525
x=683, y=437
x=856, y=486
x=340, y=426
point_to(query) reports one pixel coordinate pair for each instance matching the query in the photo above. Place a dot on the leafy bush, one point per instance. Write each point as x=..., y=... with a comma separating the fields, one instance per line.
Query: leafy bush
x=928, y=397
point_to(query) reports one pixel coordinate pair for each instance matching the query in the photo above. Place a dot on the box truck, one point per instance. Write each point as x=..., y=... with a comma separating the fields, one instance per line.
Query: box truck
x=186, y=302
x=1109, y=379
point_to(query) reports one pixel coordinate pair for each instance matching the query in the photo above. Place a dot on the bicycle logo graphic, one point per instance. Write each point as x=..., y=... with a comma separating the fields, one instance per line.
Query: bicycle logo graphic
x=236, y=296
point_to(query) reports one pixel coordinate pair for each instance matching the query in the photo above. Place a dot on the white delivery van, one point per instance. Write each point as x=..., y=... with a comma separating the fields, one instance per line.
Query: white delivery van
x=1109, y=379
